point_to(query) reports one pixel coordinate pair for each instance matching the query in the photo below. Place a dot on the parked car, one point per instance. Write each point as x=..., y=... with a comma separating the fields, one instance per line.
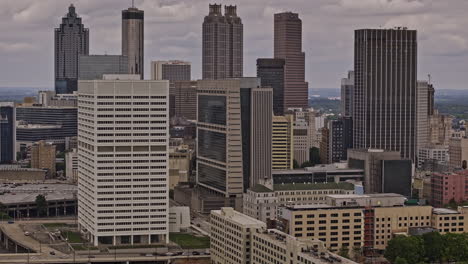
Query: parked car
x=52, y=253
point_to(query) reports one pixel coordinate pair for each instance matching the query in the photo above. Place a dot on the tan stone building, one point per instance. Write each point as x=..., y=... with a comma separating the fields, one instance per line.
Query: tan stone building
x=43, y=157
x=440, y=127
x=458, y=152
x=180, y=165
x=354, y=225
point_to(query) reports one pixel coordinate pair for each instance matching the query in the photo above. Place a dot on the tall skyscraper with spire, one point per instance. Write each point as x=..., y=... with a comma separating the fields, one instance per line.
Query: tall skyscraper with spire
x=71, y=41
x=133, y=39
x=222, y=44
x=385, y=91
x=288, y=46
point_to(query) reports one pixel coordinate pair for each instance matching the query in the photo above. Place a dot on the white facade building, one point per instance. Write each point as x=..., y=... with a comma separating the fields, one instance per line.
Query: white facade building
x=435, y=153
x=123, y=161
x=179, y=218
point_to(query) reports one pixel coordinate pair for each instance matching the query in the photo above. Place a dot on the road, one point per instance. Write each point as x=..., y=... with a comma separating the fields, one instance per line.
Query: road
x=94, y=258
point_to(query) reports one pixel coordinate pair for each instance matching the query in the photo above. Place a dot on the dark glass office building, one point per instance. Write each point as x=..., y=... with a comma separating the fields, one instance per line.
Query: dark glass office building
x=46, y=123
x=384, y=112
x=7, y=133
x=271, y=74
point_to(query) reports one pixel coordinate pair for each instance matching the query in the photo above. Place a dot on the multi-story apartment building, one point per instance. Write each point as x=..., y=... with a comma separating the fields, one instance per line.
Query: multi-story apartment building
x=449, y=186
x=282, y=143
x=337, y=138
x=123, y=161
x=237, y=238
x=262, y=201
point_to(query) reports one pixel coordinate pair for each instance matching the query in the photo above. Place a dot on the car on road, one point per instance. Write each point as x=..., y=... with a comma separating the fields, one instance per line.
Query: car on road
x=27, y=233
x=169, y=254
x=195, y=253
x=52, y=253
x=11, y=221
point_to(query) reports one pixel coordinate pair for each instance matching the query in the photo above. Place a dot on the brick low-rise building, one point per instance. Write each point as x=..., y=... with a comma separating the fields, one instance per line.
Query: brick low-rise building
x=446, y=187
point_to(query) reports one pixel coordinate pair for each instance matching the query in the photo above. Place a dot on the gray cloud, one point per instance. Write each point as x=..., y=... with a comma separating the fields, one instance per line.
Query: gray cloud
x=173, y=31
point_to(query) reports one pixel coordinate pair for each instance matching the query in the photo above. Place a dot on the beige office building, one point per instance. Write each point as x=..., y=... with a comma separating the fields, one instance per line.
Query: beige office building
x=366, y=220
x=43, y=157
x=282, y=143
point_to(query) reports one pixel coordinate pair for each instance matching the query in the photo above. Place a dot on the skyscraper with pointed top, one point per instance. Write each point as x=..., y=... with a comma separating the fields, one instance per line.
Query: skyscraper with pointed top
x=133, y=39
x=71, y=41
x=222, y=43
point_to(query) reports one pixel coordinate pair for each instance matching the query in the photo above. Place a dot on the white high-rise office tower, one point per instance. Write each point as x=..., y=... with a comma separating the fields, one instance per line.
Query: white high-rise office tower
x=123, y=161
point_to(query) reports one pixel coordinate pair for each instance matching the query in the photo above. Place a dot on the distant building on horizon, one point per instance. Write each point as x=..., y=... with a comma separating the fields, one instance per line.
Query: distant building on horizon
x=133, y=40
x=222, y=44
x=288, y=46
x=385, y=91
x=71, y=41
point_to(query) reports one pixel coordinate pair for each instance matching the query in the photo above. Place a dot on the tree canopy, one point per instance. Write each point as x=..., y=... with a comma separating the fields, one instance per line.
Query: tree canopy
x=428, y=248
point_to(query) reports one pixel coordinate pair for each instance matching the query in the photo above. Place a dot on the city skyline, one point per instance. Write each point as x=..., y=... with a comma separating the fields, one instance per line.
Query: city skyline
x=173, y=32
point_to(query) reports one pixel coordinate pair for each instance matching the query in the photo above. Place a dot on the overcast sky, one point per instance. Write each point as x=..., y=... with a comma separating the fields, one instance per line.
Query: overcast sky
x=173, y=31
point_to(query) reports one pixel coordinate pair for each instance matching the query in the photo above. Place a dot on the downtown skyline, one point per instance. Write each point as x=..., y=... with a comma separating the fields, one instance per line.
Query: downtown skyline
x=173, y=31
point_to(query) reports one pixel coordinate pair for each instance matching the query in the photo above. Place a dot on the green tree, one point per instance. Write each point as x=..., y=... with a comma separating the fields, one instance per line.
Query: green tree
x=410, y=248
x=400, y=260
x=306, y=164
x=41, y=204
x=344, y=252
x=434, y=244
x=314, y=156
x=456, y=247
x=295, y=164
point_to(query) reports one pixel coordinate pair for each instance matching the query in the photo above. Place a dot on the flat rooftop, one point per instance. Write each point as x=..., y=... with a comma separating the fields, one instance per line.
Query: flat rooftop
x=313, y=186
x=361, y=196
x=444, y=211
x=27, y=192
x=242, y=219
